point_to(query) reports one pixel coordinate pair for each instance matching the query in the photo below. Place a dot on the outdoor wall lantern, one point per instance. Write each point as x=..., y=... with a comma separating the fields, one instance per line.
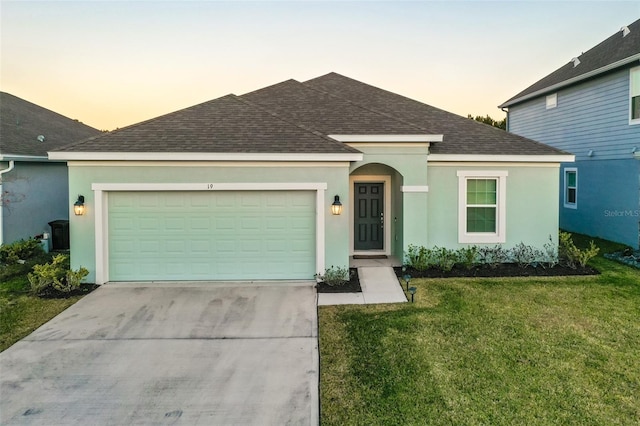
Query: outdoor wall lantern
x=78, y=206
x=336, y=206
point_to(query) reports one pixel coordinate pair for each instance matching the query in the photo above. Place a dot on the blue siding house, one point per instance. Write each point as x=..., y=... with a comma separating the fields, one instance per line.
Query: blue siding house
x=33, y=189
x=591, y=108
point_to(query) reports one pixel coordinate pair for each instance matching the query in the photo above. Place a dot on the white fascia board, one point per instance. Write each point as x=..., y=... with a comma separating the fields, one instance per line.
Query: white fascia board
x=200, y=156
x=212, y=186
x=387, y=138
x=573, y=80
x=566, y=158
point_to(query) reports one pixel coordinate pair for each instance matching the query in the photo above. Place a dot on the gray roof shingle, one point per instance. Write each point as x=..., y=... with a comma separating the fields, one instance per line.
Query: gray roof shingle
x=612, y=50
x=21, y=122
x=228, y=124
x=294, y=117
x=461, y=135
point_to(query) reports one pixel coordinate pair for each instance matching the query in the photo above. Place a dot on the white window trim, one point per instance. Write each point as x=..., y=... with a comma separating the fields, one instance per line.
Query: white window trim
x=632, y=121
x=500, y=236
x=567, y=204
x=101, y=199
x=551, y=101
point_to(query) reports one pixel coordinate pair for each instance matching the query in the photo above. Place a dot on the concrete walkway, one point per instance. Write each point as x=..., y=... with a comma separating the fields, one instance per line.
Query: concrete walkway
x=379, y=285
x=160, y=354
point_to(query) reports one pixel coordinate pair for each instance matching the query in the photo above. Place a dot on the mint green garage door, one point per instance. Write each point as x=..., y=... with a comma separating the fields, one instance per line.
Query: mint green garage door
x=221, y=235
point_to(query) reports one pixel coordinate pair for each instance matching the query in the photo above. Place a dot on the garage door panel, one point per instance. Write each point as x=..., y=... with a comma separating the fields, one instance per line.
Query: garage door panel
x=211, y=235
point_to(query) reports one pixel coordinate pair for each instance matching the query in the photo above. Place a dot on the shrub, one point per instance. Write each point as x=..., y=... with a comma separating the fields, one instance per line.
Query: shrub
x=19, y=250
x=335, y=276
x=56, y=276
x=467, y=256
x=572, y=255
x=493, y=256
x=550, y=253
x=525, y=255
x=418, y=258
x=444, y=259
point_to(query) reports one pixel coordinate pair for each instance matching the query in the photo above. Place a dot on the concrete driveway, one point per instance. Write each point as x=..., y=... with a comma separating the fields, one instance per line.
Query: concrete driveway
x=192, y=354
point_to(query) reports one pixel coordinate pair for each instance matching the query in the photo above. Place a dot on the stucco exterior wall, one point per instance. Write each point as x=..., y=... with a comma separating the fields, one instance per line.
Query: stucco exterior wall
x=531, y=203
x=83, y=175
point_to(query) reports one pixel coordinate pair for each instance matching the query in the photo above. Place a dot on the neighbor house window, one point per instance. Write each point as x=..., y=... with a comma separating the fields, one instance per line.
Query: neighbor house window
x=634, y=94
x=482, y=206
x=571, y=187
x=552, y=101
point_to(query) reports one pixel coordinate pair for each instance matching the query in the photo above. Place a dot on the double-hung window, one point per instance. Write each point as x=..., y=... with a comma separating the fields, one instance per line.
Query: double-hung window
x=634, y=95
x=482, y=206
x=571, y=187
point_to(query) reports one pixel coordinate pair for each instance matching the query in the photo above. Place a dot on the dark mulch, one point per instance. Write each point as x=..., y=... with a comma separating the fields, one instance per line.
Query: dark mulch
x=81, y=291
x=353, y=286
x=502, y=270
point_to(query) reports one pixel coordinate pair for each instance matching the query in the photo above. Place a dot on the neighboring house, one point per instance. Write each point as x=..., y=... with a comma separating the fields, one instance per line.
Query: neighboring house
x=33, y=189
x=591, y=108
x=242, y=187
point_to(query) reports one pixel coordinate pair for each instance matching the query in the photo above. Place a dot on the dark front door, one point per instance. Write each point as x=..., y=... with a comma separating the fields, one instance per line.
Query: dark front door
x=369, y=216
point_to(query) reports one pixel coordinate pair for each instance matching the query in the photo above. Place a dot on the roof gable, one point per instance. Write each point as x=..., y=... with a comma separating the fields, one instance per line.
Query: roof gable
x=617, y=50
x=22, y=122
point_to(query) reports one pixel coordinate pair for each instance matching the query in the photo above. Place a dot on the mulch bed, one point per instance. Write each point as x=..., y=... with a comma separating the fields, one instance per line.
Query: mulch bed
x=502, y=270
x=80, y=291
x=353, y=286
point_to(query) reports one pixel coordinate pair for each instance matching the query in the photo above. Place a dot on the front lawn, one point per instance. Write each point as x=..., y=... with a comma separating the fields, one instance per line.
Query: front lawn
x=540, y=350
x=20, y=312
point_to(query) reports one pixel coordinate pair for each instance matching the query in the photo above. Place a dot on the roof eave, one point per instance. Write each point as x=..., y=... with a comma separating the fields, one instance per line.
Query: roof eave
x=571, y=81
x=18, y=157
x=487, y=158
x=201, y=156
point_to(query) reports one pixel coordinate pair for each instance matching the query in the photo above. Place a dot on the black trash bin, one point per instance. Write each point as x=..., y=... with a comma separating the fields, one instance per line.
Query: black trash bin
x=59, y=234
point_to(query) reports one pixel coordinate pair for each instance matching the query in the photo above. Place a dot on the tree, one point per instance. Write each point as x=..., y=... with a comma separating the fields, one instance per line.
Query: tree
x=502, y=124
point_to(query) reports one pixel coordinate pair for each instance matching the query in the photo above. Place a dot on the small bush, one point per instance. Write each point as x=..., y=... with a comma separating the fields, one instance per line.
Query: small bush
x=444, y=259
x=56, y=276
x=550, y=253
x=467, y=256
x=572, y=255
x=525, y=255
x=418, y=258
x=10, y=254
x=493, y=256
x=335, y=276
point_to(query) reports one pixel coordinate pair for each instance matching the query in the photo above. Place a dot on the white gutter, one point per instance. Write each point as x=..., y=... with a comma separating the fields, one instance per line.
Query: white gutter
x=11, y=165
x=200, y=156
x=477, y=158
x=573, y=80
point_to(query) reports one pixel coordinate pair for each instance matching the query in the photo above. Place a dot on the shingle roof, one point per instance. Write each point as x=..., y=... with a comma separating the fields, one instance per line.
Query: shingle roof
x=294, y=117
x=326, y=112
x=461, y=135
x=21, y=122
x=228, y=124
x=614, y=50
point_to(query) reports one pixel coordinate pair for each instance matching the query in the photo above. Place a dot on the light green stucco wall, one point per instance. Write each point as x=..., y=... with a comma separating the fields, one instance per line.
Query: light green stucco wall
x=408, y=167
x=532, y=204
x=81, y=177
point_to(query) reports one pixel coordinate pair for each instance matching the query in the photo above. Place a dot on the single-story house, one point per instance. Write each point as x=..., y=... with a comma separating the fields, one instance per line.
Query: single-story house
x=34, y=190
x=245, y=187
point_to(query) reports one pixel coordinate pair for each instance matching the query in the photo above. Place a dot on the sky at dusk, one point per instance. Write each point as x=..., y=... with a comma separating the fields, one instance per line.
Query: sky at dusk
x=110, y=64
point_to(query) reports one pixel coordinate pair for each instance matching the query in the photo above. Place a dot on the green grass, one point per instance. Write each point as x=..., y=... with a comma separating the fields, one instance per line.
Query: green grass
x=20, y=312
x=488, y=351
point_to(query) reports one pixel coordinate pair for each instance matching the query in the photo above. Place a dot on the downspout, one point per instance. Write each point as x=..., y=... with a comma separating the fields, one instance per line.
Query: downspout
x=11, y=164
x=506, y=111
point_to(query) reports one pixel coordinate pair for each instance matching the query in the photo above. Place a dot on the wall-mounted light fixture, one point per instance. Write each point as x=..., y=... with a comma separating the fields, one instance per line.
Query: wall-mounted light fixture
x=78, y=206
x=336, y=206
